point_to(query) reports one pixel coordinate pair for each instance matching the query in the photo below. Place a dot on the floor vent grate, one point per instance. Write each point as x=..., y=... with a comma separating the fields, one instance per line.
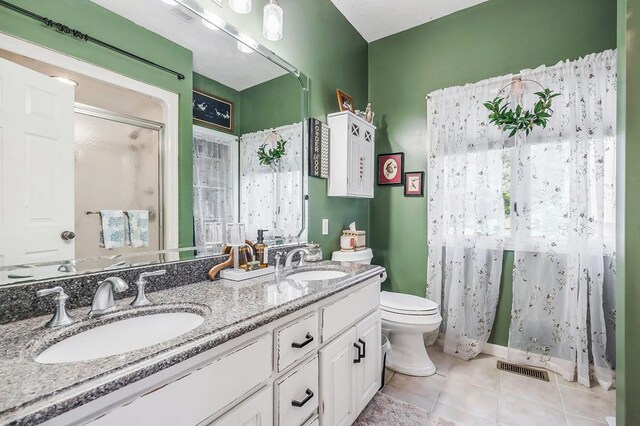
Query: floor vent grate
x=523, y=370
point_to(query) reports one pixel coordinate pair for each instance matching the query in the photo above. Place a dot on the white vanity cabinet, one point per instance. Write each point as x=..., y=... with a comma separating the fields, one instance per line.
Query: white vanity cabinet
x=317, y=366
x=351, y=156
x=350, y=372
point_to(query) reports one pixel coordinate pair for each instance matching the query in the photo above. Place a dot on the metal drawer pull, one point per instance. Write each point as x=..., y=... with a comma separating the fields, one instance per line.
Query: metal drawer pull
x=304, y=401
x=364, y=348
x=309, y=339
x=357, y=346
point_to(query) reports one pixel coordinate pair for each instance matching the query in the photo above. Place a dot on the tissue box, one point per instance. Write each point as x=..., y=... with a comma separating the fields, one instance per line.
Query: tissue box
x=353, y=240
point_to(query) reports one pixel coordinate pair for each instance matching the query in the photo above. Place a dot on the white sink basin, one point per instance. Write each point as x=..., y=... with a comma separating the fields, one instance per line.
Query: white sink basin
x=316, y=275
x=120, y=337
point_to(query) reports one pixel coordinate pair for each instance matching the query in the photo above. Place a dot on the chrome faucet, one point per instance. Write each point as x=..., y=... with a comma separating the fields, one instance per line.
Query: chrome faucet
x=277, y=258
x=103, y=300
x=141, y=282
x=60, y=317
x=304, y=252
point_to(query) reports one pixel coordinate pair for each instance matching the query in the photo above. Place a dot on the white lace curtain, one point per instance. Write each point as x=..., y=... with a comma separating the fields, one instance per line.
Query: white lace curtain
x=466, y=219
x=214, y=189
x=271, y=199
x=564, y=224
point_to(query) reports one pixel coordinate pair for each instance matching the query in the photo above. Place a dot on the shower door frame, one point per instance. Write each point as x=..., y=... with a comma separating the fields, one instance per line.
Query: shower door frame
x=117, y=117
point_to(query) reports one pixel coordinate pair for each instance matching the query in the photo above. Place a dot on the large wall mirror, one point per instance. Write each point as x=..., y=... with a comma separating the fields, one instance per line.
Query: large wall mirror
x=98, y=170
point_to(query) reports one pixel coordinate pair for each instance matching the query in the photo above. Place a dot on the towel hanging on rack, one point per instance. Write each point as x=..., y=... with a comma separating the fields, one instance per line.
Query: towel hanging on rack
x=112, y=229
x=137, y=228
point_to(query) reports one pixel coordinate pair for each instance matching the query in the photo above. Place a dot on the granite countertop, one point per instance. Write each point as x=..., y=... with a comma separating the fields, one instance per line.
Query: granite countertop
x=31, y=392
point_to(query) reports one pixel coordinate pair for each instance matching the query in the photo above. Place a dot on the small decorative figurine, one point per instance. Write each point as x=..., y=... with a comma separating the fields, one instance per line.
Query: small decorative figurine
x=369, y=114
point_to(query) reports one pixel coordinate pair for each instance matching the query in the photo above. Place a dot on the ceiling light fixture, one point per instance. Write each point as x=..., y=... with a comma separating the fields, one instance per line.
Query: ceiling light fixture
x=240, y=6
x=65, y=80
x=213, y=21
x=246, y=44
x=272, y=21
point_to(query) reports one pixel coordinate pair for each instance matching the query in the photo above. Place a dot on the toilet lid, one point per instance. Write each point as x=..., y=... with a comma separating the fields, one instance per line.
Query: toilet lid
x=407, y=304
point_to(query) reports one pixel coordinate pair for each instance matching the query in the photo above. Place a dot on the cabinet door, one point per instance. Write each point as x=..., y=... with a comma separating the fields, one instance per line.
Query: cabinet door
x=368, y=371
x=367, y=154
x=337, y=380
x=354, y=180
x=257, y=410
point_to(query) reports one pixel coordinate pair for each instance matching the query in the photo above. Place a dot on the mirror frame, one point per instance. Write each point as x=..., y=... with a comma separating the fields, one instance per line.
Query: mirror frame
x=303, y=80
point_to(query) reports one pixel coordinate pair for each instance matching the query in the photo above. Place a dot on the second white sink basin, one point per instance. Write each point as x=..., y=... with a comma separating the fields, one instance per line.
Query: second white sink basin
x=120, y=337
x=317, y=275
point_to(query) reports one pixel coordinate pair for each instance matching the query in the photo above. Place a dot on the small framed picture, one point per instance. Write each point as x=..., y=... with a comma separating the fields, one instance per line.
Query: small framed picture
x=391, y=169
x=212, y=111
x=414, y=184
x=345, y=102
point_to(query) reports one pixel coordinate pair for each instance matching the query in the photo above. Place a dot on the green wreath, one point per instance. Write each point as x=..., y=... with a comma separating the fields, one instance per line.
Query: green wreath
x=272, y=156
x=520, y=119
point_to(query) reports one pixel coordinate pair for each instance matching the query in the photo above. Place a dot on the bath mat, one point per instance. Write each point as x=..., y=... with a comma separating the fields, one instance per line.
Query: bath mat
x=385, y=410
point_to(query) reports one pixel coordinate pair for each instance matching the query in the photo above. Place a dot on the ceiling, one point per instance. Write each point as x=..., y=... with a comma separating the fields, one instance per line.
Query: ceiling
x=376, y=19
x=215, y=54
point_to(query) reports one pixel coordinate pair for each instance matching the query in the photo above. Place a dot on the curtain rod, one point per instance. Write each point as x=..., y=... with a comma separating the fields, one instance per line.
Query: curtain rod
x=63, y=29
x=515, y=78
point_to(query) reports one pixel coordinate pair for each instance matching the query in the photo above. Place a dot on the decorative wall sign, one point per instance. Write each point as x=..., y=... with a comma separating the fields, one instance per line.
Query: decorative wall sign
x=212, y=111
x=391, y=169
x=345, y=102
x=414, y=184
x=318, y=149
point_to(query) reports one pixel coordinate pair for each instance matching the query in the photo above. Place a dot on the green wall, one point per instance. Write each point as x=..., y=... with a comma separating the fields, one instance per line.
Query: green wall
x=491, y=39
x=107, y=26
x=628, y=273
x=274, y=103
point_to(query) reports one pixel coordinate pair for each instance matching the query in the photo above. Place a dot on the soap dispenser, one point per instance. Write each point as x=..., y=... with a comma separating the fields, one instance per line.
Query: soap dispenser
x=261, y=250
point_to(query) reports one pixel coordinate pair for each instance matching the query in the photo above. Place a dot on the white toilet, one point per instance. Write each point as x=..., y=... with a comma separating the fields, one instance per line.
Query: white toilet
x=405, y=319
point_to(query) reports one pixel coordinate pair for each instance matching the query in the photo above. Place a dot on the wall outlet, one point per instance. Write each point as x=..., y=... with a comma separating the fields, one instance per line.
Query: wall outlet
x=325, y=226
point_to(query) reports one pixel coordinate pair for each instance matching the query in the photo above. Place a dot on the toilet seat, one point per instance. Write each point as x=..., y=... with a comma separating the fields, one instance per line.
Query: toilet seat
x=406, y=304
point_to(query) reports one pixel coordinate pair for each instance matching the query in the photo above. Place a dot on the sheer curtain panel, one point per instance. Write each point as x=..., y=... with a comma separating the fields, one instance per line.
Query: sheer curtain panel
x=465, y=213
x=564, y=224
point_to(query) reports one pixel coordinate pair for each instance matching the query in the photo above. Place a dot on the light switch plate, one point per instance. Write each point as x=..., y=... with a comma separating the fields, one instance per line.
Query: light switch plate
x=325, y=226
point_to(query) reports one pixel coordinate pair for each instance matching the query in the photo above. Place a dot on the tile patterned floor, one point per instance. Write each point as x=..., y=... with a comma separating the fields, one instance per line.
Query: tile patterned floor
x=477, y=393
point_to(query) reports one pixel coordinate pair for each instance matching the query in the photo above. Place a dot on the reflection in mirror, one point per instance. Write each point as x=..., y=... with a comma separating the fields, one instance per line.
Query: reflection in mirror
x=93, y=177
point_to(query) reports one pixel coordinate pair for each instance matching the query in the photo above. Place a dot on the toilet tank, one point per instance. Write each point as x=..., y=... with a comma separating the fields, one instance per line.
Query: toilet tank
x=362, y=256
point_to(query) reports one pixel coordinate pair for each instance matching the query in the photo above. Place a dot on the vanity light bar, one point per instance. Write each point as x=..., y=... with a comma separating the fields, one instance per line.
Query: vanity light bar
x=61, y=28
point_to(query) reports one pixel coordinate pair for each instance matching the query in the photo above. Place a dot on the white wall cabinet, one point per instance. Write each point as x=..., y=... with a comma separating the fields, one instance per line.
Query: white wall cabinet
x=319, y=365
x=350, y=368
x=351, y=156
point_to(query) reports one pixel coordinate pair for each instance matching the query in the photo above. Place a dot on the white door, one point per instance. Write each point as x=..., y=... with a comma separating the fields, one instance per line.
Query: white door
x=36, y=166
x=337, y=380
x=367, y=153
x=368, y=371
x=256, y=410
x=354, y=182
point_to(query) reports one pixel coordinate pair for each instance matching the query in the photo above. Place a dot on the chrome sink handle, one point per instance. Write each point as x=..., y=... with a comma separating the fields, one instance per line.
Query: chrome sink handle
x=277, y=258
x=60, y=317
x=304, y=252
x=141, y=299
x=103, y=300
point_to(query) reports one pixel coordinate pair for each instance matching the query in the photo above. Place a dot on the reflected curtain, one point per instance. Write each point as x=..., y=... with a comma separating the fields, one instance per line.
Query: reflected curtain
x=466, y=216
x=213, y=182
x=564, y=224
x=271, y=199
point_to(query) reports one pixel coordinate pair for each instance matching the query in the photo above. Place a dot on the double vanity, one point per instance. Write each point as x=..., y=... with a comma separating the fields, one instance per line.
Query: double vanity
x=301, y=348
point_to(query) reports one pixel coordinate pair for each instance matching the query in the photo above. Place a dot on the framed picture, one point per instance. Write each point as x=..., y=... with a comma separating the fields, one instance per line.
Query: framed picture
x=212, y=111
x=345, y=102
x=391, y=169
x=414, y=184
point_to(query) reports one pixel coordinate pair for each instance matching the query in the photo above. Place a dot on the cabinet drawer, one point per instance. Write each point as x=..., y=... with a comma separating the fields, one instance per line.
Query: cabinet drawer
x=257, y=410
x=201, y=393
x=296, y=340
x=297, y=395
x=345, y=312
